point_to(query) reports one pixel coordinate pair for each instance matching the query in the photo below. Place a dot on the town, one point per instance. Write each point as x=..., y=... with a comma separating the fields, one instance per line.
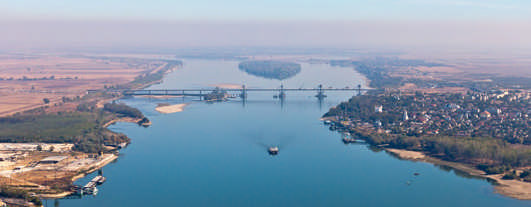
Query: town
x=489, y=129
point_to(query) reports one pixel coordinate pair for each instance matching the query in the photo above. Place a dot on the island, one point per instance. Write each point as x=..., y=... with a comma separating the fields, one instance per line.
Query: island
x=270, y=69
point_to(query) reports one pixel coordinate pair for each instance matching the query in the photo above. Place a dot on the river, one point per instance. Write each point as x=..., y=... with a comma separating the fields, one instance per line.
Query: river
x=216, y=154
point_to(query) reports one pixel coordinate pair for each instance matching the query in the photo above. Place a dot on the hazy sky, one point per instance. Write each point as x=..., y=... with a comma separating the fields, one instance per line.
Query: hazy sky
x=266, y=9
x=295, y=23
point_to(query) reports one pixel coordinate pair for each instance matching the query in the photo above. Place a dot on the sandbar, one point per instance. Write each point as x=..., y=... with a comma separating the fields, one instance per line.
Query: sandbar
x=171, y=108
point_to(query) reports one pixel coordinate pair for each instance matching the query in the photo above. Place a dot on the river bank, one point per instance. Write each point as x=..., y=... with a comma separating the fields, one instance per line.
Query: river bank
x=124, y=119
x=512, y=188
x=86, y=170
x=82, y=159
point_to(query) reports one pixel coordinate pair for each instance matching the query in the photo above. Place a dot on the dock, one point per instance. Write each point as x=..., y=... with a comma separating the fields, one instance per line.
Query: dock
x=90, y=187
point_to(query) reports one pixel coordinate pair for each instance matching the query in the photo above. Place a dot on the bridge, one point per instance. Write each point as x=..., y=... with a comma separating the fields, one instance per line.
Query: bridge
x=243, y=91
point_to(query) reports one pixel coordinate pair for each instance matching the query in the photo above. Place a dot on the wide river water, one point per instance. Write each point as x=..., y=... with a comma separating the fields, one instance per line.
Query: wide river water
x=216, y=154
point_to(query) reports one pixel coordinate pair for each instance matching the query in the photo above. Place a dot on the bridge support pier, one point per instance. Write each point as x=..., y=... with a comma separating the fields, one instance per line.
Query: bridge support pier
x=320, y=93
x=243, y=95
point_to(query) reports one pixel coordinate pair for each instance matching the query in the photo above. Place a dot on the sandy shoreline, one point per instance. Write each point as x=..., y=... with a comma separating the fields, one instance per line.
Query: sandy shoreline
x=160, y=97
x=227, y=85
x=405, y=154
x=171, y=108
x=512, y=188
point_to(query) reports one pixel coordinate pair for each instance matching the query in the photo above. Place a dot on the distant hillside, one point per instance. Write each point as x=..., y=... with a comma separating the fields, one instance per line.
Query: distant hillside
x=271, y=69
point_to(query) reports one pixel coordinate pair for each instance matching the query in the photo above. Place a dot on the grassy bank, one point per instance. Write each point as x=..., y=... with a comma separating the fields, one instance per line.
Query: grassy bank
x=514, y=188
x=84, y=129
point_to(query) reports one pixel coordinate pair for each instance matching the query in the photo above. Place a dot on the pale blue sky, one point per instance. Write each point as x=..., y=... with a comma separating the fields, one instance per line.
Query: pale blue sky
x=266, y=9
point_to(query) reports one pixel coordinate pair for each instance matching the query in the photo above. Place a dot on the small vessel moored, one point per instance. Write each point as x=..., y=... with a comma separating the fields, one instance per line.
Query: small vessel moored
x=89, y=190
x=90, y=187
x=99, y=179
x=122, y=145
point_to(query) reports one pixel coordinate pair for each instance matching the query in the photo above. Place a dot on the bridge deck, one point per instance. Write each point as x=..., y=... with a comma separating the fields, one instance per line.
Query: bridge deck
x=248, y=89
x=202, y=91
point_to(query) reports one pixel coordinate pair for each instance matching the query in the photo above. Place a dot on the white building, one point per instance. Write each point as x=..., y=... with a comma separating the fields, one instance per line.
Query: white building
x=378, y=109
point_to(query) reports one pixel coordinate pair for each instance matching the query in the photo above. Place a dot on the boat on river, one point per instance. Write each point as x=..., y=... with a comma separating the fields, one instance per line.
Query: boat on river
x=273, y=150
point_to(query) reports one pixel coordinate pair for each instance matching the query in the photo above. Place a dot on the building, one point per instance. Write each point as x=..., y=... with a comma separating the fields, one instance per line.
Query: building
x=378, y=109
x=485, y=115
x=378, y=124
x=453, y=106
x=498, y=96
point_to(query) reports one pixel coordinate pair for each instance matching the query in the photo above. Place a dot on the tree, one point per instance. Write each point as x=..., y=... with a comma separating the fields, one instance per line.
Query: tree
x=144, y=122
x=39, y=148
x=46, y=100
x=123, y=110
